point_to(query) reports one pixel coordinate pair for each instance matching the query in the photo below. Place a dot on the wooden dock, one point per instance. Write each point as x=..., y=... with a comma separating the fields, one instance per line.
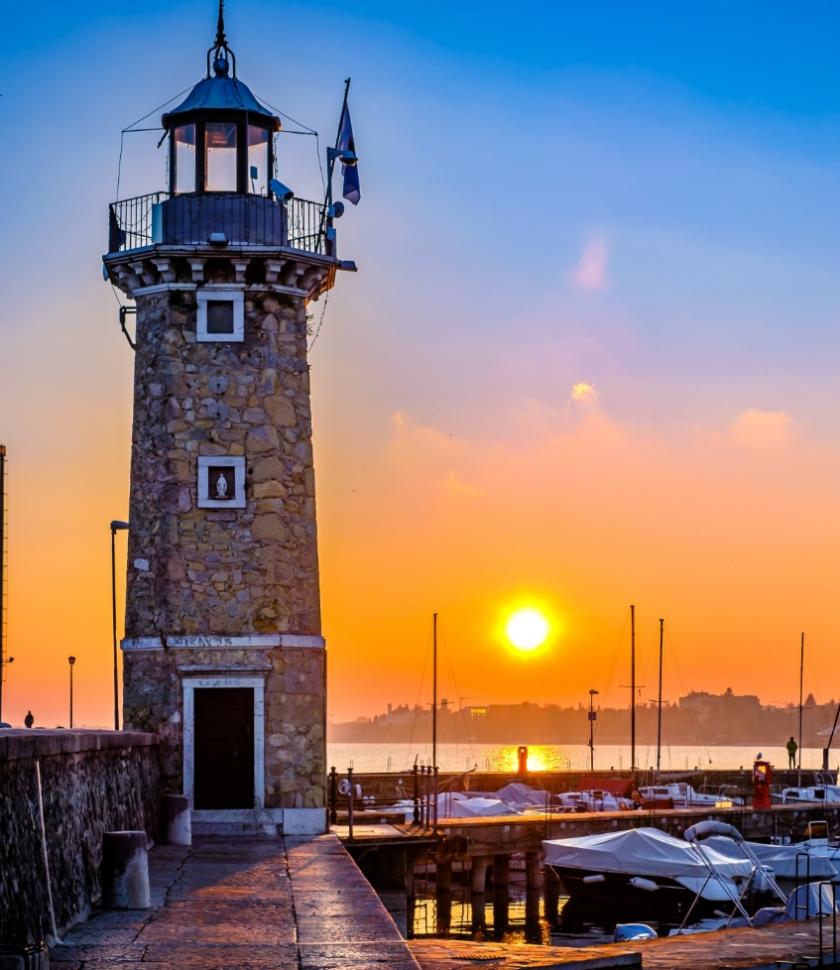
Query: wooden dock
x=787, y=945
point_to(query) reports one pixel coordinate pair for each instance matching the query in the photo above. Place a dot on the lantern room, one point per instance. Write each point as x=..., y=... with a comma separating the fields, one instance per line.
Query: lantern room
x=220, y=136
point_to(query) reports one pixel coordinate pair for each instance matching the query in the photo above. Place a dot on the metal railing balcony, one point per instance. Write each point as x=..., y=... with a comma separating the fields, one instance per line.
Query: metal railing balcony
x=237, y=220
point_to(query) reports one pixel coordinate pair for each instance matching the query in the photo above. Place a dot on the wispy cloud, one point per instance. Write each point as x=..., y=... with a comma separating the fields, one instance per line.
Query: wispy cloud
x=583, y=394
x=591, y=271
x=762, y=430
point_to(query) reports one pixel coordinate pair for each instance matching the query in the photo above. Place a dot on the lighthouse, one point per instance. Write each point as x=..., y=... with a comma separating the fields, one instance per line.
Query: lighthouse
x=223, y=656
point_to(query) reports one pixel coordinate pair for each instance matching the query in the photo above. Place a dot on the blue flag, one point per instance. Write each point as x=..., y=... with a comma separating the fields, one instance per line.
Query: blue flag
x=351, y=189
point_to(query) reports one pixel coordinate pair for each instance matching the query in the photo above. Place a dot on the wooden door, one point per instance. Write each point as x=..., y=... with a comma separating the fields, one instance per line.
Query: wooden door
x=224, y=747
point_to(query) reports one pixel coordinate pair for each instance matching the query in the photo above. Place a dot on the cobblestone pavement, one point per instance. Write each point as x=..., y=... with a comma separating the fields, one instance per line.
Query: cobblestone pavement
x=280, y=904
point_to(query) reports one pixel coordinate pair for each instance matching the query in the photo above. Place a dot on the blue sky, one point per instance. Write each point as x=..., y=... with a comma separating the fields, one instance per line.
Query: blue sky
x=641, y=197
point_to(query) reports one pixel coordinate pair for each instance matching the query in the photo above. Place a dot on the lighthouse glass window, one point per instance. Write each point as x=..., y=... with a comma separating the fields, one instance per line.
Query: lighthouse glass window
x=185, y=158
x=221, y=482
x=257, y=160
x=220, y=157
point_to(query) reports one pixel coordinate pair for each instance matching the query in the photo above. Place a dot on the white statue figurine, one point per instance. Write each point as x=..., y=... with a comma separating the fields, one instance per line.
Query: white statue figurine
x=221, y=486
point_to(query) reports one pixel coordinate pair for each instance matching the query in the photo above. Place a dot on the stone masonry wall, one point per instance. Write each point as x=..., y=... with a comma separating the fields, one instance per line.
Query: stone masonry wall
x=222, y=571
x=295, y=756
x=92, y=782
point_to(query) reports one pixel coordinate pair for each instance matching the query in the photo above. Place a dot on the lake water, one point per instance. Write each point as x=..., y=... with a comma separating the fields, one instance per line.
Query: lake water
x=370, y=756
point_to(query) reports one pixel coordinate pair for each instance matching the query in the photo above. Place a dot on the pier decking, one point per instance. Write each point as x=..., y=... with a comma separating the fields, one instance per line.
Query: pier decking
x=292, y=904
x=302, y=904
x=787, y=945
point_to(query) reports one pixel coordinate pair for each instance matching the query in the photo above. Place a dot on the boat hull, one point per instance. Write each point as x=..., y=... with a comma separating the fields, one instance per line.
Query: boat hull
x=612, y=897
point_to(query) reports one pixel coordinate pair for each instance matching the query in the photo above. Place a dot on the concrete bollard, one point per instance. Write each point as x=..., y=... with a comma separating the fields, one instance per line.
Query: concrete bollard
x=176, y=820
x=125, y=871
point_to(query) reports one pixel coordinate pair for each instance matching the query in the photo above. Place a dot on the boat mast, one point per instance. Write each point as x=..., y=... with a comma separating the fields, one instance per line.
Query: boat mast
x=801, y=672
x=659, y=703
x=632, y=687
x=2, y=567
x=434, y=690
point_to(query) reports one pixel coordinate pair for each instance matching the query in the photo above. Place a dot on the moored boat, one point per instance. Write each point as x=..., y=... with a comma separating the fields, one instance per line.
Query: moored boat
x=648, y=872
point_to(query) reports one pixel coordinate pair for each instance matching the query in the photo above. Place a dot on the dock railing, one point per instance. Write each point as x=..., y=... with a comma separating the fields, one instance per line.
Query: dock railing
x=821, y=918
x=414, y=802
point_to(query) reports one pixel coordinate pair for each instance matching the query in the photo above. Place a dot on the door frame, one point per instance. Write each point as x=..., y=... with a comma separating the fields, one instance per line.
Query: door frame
x=257, y=684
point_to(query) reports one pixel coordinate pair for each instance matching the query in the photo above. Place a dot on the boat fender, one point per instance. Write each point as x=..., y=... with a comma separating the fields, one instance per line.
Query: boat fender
x=597, y=877
x=633, y=931
x=648, y=885
x=711, y=827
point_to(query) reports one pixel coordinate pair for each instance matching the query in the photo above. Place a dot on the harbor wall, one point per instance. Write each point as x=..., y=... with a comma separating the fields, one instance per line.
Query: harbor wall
x=394, y=784
x=90, y=782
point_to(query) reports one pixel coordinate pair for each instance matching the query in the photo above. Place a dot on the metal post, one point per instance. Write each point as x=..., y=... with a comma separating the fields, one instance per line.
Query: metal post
x=2, y=568
x=116, y=526
x=350, y=804
x=592, y=718
x=333, y=797
x=71, y=661
x=434, y=690
x=801, y=672
x=659, y=703
x=114, y=625
x=435, y=796
x=416, y=812
x=632, y=688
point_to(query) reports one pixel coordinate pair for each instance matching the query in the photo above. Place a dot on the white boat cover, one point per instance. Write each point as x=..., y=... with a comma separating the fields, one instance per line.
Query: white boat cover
x=822, y=862
x=650, y=852
x=807, y=901
x=519, y=794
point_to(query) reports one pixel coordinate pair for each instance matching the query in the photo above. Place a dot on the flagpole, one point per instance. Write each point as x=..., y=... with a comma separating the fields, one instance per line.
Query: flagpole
x=331, y=152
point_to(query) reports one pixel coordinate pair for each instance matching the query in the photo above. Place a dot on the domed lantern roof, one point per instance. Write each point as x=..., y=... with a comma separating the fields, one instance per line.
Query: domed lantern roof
x=220, y=135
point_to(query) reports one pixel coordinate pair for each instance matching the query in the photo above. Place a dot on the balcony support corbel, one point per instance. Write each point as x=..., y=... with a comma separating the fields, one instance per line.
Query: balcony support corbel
x=197, y=267
x=240, y=267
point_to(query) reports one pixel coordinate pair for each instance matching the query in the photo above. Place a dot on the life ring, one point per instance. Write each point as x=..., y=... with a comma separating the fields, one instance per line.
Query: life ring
x=344, y=787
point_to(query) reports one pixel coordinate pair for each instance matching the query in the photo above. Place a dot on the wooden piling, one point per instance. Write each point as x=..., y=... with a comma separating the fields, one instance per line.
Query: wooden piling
x=443, y=897
x=478, y=885
x=501, y=894
x=533, y=887
x=552, y=895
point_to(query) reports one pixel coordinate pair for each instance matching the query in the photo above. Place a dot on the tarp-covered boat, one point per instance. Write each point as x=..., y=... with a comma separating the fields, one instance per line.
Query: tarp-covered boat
x=805, y=861
x=646, y=869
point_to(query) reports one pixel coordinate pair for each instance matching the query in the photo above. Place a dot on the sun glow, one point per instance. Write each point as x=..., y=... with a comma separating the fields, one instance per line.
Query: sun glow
x=527, y=629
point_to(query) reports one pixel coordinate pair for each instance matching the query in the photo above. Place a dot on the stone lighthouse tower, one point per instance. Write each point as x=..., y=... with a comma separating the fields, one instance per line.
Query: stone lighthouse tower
x=223, y=655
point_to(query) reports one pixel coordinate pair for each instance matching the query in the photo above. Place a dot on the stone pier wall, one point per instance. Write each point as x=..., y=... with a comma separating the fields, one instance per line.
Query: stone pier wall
x=91, y=782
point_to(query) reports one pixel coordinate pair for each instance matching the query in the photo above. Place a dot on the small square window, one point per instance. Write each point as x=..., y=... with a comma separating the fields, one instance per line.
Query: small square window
x=221, y=482
x=221, y=314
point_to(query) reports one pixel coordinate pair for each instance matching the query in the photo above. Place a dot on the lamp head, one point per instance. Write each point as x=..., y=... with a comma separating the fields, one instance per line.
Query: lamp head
x=118, y=525
x=71, y=660
x=281, y=192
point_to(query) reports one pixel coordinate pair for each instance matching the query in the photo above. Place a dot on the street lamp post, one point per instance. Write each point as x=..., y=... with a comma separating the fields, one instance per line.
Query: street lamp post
x=593, y=716
x=4, y=662
x=71, y=661
x=116, y=526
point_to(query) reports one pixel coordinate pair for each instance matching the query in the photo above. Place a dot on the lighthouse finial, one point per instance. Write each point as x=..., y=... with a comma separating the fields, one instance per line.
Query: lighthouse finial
x=220, y=50
x=221, y=40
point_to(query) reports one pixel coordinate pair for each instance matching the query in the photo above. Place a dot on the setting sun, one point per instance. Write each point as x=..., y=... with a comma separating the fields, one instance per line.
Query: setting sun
x=527, y=629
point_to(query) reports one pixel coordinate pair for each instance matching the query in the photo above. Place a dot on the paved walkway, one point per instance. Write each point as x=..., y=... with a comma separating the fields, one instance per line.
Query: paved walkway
x=280, y=904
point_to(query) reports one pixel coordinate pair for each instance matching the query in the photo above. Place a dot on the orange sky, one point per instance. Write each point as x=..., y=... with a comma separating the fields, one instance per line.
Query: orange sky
x=589, y=359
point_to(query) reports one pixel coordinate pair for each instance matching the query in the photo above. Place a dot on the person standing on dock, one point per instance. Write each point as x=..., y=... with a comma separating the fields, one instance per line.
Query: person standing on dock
x=792, y=748
x=29, y=720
